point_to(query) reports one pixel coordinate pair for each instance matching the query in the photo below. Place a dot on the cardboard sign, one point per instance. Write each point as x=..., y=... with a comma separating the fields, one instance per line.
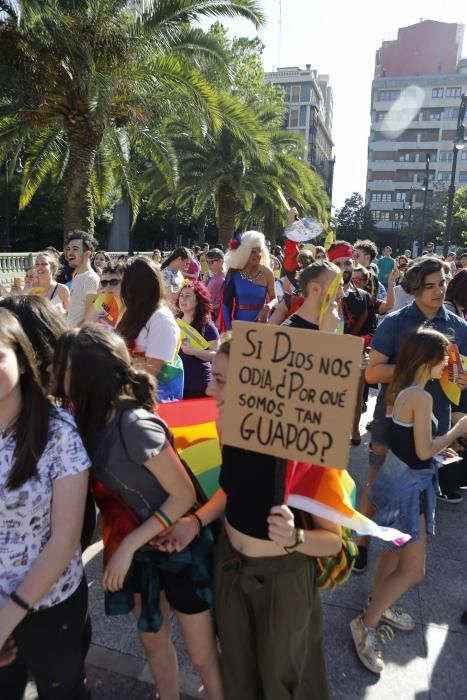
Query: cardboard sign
x=292, y=393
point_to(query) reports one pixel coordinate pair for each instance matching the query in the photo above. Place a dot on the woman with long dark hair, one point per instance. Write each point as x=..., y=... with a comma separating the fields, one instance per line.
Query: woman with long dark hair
x=173, y=267
x=141, y=488
x=150, y=329
x=404, y=490
x=194, y=311
x=43, y=484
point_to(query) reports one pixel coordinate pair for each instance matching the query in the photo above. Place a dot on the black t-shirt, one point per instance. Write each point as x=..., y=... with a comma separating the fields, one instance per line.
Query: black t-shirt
x=296, y=321
x=359, y=313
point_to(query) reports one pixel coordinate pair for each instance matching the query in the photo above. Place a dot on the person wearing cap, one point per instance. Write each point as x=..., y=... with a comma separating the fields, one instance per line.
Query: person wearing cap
x=214, y=278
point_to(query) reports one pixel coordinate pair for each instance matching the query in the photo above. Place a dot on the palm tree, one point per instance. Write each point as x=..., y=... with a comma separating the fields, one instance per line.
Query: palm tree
x=242, y=171
x=83, y=82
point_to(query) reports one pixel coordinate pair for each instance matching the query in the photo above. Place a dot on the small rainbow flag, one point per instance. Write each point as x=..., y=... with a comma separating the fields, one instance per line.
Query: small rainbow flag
x=193, y=424
x=330, y=494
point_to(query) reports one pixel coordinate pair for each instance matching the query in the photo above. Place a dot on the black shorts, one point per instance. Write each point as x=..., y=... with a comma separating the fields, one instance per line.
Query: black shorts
x=182, y=592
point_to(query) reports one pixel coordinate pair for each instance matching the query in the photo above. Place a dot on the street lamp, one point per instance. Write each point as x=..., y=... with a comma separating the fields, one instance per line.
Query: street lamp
x=6, y=243
x=426, y=181
x=459, y=144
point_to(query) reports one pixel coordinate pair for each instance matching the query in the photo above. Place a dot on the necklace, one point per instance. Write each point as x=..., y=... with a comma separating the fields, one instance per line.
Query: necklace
x=251, y=278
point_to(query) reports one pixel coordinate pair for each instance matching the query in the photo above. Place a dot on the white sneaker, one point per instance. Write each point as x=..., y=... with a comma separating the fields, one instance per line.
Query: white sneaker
x=367, y=643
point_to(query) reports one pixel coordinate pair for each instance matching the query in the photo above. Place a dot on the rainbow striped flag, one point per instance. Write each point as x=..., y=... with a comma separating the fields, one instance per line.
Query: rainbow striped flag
x=193, y=424
x=330, y=494
x=323, y=491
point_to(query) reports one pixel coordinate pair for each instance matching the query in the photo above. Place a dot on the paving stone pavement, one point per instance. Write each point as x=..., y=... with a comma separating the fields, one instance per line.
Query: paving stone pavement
x=430, y=663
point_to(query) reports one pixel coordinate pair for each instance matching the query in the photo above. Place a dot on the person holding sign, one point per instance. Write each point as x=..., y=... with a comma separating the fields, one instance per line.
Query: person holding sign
x=404, y=491
x=108, y=306
x=266, y=599
x=248, y=283
x=200, y=338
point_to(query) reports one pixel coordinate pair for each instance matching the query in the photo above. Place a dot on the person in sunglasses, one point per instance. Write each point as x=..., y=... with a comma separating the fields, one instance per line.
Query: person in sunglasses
x=110, y=283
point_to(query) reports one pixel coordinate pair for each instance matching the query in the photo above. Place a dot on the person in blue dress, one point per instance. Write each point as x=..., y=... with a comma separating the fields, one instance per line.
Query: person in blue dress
x=249, y=291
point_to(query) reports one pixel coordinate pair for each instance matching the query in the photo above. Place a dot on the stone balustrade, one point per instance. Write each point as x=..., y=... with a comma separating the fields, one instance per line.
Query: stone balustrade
x=15, y=264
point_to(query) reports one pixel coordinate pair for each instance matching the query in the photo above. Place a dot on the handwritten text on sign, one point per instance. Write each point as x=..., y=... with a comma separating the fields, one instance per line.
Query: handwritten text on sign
x=291, y=393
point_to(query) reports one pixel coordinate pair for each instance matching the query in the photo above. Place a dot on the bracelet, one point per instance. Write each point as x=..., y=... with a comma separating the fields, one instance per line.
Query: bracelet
x=198, y=521
x=21, y=602
x=162, y=518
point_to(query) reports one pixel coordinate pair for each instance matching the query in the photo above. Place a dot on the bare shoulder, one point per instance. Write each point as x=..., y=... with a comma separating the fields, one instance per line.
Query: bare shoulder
x=418, y=397
x=267, y=272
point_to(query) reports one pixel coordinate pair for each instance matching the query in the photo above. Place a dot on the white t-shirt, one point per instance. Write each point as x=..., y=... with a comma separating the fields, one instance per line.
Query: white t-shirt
x=160, y=337
x=25, y=513
x=83, y=284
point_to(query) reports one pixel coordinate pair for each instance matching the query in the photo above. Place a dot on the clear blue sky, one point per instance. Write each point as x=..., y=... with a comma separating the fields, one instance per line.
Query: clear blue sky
x=340, y=38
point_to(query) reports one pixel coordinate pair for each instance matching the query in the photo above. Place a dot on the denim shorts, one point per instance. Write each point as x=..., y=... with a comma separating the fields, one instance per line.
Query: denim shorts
x=401, y=494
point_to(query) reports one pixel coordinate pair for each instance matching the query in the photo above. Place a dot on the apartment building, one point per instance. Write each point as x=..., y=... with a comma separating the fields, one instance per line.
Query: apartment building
x=310, y=111
x=415, y=99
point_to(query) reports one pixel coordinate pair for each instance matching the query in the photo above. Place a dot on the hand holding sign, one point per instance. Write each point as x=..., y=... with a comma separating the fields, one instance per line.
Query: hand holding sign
x=108, y=308
x=291, y=393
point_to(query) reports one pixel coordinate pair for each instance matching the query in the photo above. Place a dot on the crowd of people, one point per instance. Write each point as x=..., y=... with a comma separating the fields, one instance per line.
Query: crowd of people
x=90, y=345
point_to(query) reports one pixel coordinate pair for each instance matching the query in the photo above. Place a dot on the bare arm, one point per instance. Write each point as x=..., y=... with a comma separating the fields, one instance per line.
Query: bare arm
x=325, y=539
x=388, y=305
x=64, y=294
x=186, y=529
x=173, y=478
x=88, y=308
x=427, y=446
x=148, y=364
x=279, y=314
x=205, y=355
x=378, y=370
x=68, y=501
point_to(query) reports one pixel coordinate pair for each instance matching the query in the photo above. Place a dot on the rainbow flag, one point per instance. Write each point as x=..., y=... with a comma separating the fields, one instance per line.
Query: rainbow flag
x=193, y=424
x=330, y=494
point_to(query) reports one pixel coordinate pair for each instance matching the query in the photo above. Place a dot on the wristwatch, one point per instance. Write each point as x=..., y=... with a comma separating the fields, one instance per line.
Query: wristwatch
x=300, y=539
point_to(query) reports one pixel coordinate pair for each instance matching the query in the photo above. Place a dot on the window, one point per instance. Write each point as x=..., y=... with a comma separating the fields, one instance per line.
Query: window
x=379, y=117
x=434, y=116
x=445, y=156
x=453, y=92
x=404, y=157
x=294, y=118
x=437, y=93
x=463, y=155
x=444, y=176
x=379, y=215
x=388, y=95
x=381, y=197
x=401, y=196
x=463, y=177
x=450, y=113
x=295, y=93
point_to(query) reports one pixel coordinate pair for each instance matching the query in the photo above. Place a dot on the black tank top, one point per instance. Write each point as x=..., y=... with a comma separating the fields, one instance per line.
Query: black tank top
x=401, y=442
x=248, y=479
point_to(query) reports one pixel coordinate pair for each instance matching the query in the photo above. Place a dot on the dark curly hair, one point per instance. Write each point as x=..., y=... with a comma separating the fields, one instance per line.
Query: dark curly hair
x=203, y=307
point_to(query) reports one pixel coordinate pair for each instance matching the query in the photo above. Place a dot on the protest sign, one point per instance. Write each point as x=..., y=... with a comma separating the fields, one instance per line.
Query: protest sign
x=291, y=393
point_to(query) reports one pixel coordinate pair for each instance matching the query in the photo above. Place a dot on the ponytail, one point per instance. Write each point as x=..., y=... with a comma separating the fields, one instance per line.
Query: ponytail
x=143, y=387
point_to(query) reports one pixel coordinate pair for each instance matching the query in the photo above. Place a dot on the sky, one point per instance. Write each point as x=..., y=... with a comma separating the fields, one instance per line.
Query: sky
x=340, y=38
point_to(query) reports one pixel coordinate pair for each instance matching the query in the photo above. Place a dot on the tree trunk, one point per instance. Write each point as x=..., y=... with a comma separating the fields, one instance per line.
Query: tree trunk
x=83, y=142
x=270, y=225
x=227, y=204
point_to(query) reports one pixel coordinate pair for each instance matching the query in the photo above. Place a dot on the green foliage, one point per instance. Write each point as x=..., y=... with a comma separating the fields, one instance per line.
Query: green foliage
x=84, y=85
x=354, y=220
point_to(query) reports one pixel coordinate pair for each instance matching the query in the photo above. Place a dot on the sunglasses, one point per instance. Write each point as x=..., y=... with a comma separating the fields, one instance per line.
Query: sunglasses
x=114, y=282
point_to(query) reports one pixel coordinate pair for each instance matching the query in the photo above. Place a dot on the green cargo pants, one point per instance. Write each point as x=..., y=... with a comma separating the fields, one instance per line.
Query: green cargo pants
x=270, y=626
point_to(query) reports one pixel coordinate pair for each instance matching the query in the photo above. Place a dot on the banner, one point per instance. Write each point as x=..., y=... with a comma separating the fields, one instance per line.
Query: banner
x=292, y=393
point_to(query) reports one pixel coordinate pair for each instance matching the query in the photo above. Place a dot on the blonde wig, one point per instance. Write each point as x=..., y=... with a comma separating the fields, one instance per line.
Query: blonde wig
x=238, y=258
